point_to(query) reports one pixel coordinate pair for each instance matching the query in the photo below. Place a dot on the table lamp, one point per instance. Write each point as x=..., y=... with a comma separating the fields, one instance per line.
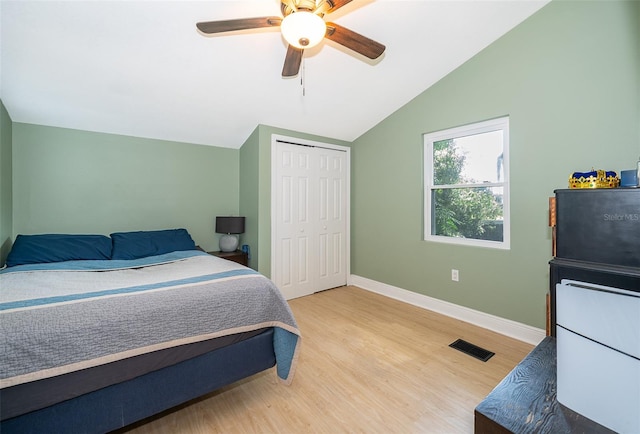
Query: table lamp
x=229, y=227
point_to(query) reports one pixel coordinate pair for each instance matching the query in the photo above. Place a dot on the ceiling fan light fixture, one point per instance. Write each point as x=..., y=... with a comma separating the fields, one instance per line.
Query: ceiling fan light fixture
x=303, y=29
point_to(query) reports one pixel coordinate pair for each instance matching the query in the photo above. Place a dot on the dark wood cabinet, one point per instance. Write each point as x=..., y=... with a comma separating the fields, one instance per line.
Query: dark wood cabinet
x=238, y=256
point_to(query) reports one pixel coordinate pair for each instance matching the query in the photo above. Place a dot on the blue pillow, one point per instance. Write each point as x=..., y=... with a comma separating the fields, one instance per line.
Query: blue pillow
x=134, y=245
x=38, y=249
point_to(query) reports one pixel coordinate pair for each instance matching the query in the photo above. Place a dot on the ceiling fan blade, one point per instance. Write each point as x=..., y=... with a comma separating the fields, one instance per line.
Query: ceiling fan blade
x=354, y=41
x=292, y=61
x=335, y=4
x=238, y=24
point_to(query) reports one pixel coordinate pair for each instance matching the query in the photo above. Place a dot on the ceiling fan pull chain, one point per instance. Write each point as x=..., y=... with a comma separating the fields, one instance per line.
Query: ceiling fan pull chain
x=302, y=78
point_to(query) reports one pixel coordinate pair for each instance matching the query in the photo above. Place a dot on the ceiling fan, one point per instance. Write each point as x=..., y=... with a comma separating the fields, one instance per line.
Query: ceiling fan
x=302, y=26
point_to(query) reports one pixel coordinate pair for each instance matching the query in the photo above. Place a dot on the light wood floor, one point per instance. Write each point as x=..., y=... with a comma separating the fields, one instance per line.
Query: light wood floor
x=369, y=364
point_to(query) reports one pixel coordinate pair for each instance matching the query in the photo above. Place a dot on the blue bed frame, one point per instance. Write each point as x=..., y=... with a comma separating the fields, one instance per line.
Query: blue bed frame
x=124, y=403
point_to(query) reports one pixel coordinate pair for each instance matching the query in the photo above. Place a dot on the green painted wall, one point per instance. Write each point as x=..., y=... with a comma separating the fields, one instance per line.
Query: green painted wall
x=255, y=201
x=6, y=174
x=249, y=194
x=84, y=182
x=568, y=77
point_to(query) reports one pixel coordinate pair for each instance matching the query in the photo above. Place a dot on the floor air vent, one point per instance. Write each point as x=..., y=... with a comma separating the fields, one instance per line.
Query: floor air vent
x=472, y=350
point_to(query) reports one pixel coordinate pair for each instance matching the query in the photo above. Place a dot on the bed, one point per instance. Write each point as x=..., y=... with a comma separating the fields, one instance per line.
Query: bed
x=99, y=332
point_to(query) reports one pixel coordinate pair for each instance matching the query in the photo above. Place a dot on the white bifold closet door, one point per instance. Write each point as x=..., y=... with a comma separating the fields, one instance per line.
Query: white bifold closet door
x=310, y=216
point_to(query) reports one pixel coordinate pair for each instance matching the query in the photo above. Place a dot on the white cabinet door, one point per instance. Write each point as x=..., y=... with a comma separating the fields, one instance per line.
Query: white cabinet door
x=332, y=204
x=296, y=179
x=598, y=342
x=310, y=219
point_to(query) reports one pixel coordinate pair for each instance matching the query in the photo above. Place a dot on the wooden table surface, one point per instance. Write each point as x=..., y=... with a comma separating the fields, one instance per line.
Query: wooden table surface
x=525, y=400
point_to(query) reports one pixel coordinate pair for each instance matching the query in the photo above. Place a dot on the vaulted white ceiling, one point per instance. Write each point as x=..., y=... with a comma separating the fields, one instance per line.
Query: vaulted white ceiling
x=141, y=68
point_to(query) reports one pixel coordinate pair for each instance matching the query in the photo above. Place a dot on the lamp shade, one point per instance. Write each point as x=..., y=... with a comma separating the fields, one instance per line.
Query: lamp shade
x=230, y=225
x=303, y=29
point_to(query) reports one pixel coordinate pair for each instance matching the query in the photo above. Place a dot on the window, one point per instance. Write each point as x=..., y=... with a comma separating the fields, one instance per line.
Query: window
x=466, y=179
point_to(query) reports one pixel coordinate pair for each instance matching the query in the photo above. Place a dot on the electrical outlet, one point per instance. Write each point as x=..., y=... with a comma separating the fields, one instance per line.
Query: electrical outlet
x=455, y=275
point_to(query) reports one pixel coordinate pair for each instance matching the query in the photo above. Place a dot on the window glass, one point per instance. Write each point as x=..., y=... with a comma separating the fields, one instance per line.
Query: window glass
x=466, y=189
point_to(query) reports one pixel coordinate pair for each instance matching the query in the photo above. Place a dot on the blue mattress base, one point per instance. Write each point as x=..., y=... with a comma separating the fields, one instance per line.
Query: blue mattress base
x=124, y=403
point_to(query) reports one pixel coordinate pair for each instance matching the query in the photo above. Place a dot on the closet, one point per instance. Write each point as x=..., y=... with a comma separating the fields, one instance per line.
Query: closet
x=310, y=216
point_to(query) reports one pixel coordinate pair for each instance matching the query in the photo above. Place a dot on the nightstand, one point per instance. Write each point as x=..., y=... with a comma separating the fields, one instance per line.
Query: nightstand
x=238, y=256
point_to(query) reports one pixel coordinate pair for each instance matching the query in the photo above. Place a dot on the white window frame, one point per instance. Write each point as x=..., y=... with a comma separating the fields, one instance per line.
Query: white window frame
x=453, y=133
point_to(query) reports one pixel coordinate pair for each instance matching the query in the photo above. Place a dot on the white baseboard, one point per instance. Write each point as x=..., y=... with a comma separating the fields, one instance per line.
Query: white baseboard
x=513, y=329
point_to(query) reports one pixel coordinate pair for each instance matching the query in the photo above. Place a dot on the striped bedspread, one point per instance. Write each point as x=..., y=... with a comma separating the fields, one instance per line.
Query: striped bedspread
x=62, y=317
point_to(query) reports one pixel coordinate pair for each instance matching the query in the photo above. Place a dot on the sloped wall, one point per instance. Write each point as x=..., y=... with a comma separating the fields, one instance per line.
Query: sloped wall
x=568, y=77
